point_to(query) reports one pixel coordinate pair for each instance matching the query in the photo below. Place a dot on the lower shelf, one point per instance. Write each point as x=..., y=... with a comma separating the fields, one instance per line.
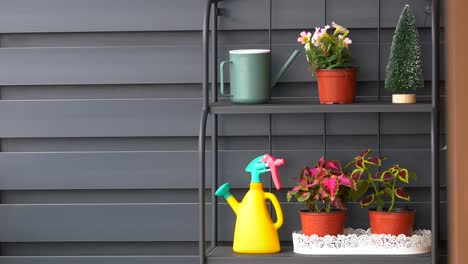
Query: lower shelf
x=225, y=255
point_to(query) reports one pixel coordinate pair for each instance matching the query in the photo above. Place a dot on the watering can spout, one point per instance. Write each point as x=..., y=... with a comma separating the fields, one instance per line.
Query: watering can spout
x=284, y=68
x=225, y=191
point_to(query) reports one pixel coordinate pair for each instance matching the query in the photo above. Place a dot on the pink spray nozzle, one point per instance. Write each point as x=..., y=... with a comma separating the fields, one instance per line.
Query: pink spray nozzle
x=273, y=164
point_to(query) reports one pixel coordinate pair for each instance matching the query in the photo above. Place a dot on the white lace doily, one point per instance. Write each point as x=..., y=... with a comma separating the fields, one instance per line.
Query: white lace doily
x=362, y=242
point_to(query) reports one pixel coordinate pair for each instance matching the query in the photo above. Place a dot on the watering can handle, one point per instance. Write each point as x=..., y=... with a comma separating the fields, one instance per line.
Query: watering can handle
x=277, y=206
x=221, y=87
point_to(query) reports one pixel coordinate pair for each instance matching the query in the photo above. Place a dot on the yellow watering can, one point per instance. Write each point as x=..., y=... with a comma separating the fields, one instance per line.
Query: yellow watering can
x=255, y=232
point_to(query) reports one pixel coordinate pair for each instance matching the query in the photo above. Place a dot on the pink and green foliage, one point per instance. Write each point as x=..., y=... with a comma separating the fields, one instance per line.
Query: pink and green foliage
x=380, y=186
x=323, y=186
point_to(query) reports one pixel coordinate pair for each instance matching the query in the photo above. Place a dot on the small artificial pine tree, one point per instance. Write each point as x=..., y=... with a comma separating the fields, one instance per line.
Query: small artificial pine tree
x=404, y=68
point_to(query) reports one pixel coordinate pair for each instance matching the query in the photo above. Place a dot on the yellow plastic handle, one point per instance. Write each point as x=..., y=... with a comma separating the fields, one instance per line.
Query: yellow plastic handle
x=277, y=206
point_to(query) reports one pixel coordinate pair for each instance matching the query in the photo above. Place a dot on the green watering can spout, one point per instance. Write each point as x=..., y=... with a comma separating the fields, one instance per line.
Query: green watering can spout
x=224, y=191
x=284, y=68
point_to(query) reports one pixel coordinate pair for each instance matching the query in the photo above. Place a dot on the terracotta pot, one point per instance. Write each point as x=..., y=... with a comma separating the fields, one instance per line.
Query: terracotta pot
x=395, y=223
x=323, y=223
x=337, y=86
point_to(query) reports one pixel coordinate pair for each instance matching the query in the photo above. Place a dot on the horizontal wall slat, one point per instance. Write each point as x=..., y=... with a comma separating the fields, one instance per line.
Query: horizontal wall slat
x=98, y=170
x=178, y=117
x=167, y=15
x=296, y=14
x=421, y=10
x=98, y=222
x=140, y=65
x=148, y=222
x=169, y=170
x=353, y=13
x=100, y=65
x=99, y=118
x=21, y=16
x=116, y=249
x=147, y=65
x=99, y=259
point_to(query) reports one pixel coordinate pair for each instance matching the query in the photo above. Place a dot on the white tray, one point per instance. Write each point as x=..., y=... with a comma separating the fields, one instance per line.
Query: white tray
x=362, y=242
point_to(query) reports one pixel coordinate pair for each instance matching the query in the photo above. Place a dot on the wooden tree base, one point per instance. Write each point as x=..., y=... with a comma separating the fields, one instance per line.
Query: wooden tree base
x=404, y=98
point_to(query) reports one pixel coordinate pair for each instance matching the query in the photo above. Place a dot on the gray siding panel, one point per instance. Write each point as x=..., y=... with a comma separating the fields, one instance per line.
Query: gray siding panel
x=97, y=222
x=163, y=170
x=103, y=65
x=99, y=259
x=98, y=170
x=179, y=117
x=297, y=14
x=21, y=16
x=181, y=15
x=238, y=14
x=392, y=10
x=99, y=118
x=353, y=13
x=143, y=65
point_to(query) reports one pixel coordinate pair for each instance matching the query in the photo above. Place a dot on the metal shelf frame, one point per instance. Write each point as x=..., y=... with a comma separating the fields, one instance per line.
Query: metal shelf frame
x=212, y=107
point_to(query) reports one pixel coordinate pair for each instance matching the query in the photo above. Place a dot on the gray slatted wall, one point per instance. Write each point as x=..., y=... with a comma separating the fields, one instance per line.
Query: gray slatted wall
x=99, y=119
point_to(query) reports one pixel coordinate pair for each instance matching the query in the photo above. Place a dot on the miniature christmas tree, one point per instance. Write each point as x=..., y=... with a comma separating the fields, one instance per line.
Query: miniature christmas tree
x=404, y=68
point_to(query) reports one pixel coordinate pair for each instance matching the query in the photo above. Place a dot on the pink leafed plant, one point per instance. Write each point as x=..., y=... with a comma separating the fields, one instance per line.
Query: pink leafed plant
x=323, y=186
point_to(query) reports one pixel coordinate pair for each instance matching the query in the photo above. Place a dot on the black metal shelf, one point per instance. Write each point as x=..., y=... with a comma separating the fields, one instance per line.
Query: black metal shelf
x=291, y=107
x=214, y=107
x=225, y=255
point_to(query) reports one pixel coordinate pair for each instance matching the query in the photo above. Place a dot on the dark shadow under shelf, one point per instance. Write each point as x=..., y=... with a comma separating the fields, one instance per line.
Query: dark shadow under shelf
x=305, y=106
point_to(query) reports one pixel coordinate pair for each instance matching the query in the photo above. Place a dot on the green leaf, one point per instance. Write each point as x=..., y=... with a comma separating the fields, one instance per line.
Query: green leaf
x=350, y=164
x=361, y=189
x=289, y=196
x=302, y=197
x=387, y=191
x=413, y=176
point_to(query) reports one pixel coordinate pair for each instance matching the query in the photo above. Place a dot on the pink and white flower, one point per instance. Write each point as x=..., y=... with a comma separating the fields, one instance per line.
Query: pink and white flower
x=304, y=37
x=347, y=41
x=317, y=35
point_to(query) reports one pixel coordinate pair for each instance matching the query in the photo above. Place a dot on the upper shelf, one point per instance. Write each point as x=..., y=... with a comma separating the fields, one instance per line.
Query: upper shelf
x=291, y=107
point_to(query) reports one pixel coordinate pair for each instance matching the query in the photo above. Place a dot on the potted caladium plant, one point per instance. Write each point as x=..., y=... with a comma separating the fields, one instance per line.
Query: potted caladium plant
x=324, y=190
x=382, y=187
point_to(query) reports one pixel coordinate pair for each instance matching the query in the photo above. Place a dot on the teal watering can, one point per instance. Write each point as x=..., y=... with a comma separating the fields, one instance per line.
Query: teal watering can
x=250, y=75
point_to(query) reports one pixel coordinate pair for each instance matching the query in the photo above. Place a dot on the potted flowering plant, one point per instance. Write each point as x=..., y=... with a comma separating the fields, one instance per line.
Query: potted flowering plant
x=329, y=57
x=324, y=190
x=382, y=187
